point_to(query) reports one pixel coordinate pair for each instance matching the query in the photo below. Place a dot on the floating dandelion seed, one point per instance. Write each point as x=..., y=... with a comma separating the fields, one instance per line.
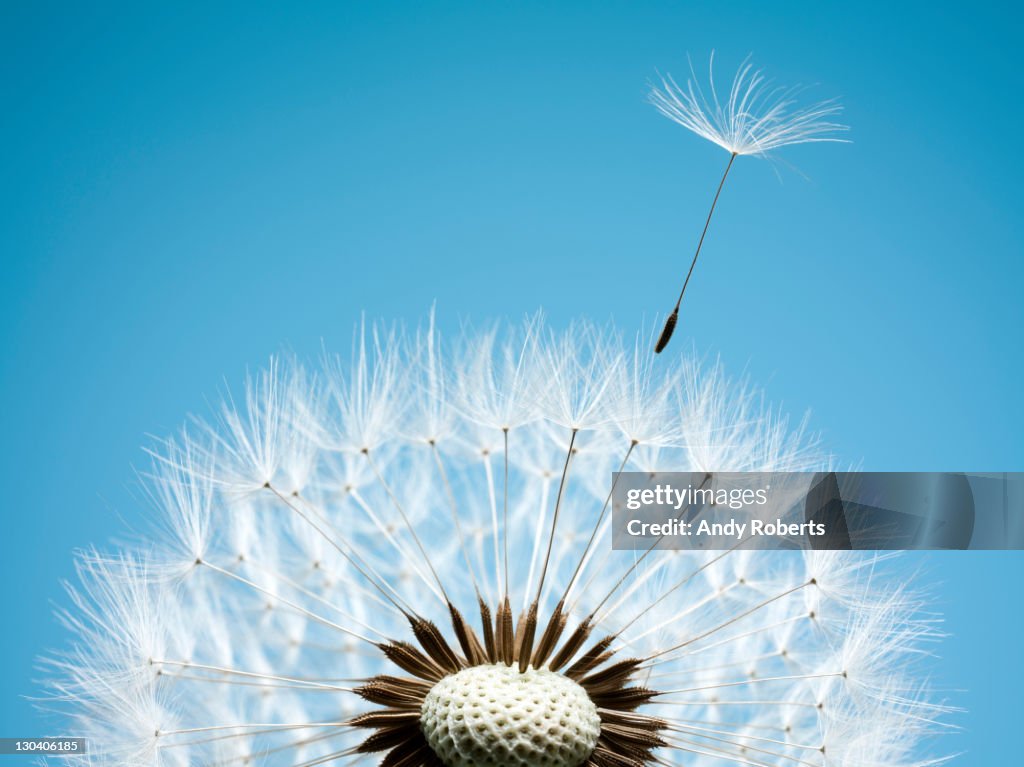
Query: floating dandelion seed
x=406, y=558
x=754, y=119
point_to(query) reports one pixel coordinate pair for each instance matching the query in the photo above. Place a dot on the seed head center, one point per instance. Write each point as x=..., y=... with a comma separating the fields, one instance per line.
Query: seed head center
x=497, y=715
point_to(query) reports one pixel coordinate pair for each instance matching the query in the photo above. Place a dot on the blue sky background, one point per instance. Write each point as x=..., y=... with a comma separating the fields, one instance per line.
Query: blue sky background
x=188, y=189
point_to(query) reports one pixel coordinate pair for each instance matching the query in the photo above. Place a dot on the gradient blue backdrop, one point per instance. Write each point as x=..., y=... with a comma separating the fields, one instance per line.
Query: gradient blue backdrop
x=187, y=189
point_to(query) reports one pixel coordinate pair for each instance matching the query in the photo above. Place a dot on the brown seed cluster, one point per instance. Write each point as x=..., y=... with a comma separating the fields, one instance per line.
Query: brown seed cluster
x=627, y=738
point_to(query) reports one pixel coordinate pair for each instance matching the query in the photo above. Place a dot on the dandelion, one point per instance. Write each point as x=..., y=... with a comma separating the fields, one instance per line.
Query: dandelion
x=404, y=558
x=756, y=118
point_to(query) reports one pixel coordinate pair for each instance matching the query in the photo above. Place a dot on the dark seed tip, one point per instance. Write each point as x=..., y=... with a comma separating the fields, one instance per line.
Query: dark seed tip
x=666, y=334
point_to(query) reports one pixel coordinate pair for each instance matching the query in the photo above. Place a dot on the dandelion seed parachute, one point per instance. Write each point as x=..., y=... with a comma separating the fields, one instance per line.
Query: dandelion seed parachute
x=358, y=564
x=756, y=118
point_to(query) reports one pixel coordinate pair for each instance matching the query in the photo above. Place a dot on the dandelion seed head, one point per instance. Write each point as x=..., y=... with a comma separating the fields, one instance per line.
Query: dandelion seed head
x=350, y=559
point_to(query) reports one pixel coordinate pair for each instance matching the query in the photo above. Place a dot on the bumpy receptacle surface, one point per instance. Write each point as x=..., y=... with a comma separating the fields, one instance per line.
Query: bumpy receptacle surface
x=495, y=715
